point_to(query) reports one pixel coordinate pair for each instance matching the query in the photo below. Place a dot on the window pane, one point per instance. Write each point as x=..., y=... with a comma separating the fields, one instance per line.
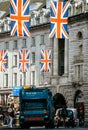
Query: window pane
x=61, y=56
x=6, y=45
x=21, y=80
x=15, y=44
x=24, y=43
x=24, y=77
x=15, y=79
x=15, y=60
x=42, y=39
x=33, y=57
x=5, y=80
x=33, y=41
x=33, y=78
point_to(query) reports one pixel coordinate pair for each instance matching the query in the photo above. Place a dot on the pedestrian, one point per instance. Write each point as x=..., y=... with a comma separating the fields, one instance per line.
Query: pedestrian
x=11, y=115
x=4, y=118
x=64, y=115
x=1, y=116
x=81, y=122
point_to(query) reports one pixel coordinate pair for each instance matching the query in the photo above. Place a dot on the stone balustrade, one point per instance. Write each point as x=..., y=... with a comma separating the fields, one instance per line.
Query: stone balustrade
x=77, y=7
x=43, y=16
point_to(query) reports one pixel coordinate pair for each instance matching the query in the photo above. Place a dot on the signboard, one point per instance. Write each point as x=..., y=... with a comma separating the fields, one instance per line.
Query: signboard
x=16, y=90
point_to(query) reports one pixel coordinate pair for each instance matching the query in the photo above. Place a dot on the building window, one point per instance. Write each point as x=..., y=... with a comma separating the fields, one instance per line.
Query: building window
x=6, y=45
x=33, y=78
x=24, y=43
x=2, y=28
x=79, y=36
x=21, y=79
x=61, y=56
x=33, y=58
x=6, y=80
x=79, y=72
x=80, y=49
x=24, y=75
x=15, y=60
x=15, y=79
x=33, y=41
x=37, y=21
x=42, y=39
x=15, y=44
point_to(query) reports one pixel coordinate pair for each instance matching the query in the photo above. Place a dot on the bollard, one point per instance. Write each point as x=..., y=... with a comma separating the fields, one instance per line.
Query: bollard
x=17, y=120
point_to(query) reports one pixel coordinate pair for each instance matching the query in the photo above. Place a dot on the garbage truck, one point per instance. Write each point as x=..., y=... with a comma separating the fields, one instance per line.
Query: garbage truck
x=36, y=107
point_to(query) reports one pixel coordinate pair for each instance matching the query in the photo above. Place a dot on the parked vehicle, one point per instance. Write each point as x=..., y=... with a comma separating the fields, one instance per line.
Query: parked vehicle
x=36, y=107
x=71, y=118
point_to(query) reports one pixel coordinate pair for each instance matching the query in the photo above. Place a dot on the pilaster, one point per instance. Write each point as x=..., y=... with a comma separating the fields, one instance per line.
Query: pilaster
x=66, y=56
x=55, y=58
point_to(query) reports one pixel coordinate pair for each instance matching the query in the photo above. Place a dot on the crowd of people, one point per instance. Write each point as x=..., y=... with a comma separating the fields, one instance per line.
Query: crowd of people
x=8, y=117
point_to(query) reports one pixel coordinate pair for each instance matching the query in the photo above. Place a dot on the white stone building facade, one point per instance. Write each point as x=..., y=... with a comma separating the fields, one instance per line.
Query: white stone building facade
x=69, y=71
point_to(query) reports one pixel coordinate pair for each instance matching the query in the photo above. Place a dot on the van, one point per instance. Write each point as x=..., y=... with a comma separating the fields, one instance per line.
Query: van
x=73, y=112
x=70, y=120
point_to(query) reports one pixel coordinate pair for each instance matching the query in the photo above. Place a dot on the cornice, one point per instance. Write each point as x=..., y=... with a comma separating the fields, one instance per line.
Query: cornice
x=40, y=26
x=78, y=18
x=36, y=27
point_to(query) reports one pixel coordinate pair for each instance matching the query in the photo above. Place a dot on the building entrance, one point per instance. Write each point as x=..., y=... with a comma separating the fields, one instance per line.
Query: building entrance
x=59, y=101
x=79, y=105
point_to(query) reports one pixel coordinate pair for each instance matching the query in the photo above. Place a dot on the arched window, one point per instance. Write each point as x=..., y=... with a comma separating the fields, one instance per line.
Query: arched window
x=79, y=35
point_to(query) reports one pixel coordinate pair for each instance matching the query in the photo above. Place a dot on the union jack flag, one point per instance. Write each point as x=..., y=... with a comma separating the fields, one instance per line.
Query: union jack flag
x=19, y=14
x=24, y=60
x=45, y=60
x=3, y=60
x=59, y=19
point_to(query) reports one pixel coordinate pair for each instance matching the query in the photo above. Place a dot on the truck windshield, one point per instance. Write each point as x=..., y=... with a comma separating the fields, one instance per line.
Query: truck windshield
x=33, y=104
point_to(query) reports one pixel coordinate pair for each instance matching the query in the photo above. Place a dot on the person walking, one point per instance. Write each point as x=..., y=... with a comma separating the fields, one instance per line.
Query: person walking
x=1, y=116
x=64, y=115
x=11, y=115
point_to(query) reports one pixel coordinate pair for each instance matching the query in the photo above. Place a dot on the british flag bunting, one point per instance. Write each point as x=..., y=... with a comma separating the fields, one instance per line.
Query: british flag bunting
x=59, y=19
x=19, y=15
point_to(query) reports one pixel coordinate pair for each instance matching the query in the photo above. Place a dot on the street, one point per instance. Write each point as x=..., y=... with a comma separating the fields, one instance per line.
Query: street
x=42, y=128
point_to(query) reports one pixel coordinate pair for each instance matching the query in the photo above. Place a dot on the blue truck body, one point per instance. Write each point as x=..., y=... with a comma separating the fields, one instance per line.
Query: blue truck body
x=36, y=107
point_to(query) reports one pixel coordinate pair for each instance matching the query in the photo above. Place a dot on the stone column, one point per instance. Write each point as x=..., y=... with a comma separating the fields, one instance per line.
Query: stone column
x=66, y=56
x=72, y=10
x=55, y=58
